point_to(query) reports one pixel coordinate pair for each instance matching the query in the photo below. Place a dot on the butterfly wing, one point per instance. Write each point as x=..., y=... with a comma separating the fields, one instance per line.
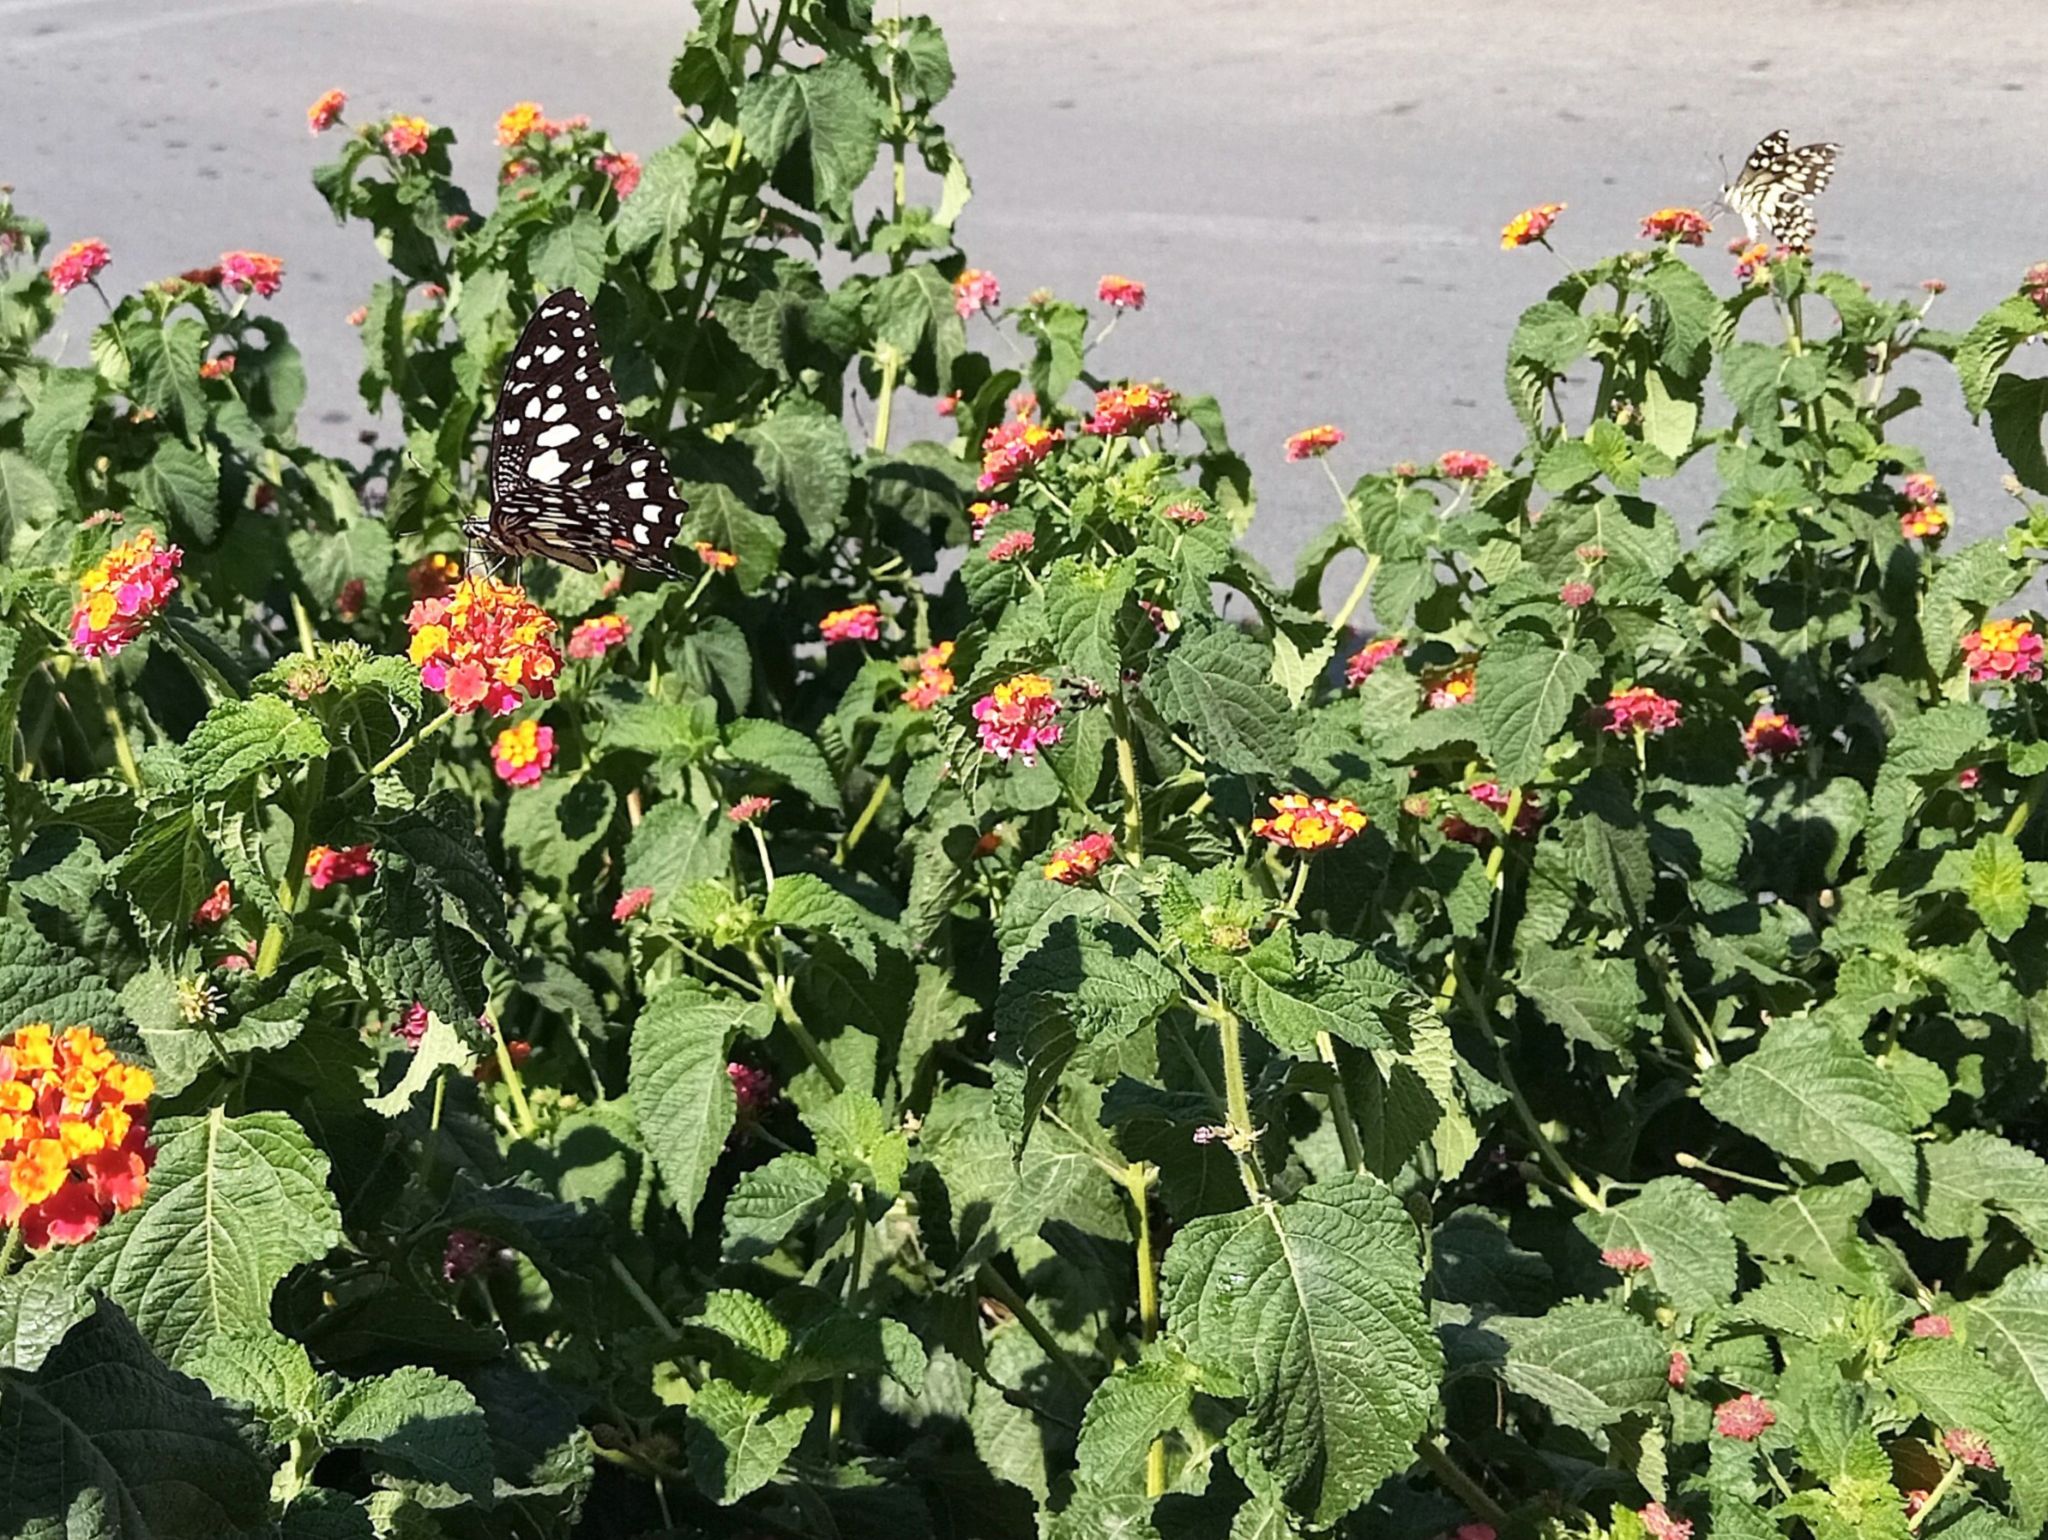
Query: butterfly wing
x=568, y=481
x=1776, y=189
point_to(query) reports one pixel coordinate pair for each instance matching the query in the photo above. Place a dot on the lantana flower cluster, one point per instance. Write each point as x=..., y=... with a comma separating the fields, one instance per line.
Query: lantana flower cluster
x=934, y=680
x=1120, y=293
x=1530, y=226
x=1019, y=717
x=598, y=635
x=1012, y=448
x=1682, y=227
x=1464, y=465
x=1311, y=823
x=1078, y=860
x=252, y=272
x=79, y=263
x=1313, y=443
x=1771, y=733
x=975, y=289
x=1369, y=657
x=856, y=623
x=2003, y=652
x=326, y=865
x=486, y=645
x=1926, y=516
x=1638, y=709
x=120, y=592
x=74, y=1134
x=1494, y=797
x=523, y=753
x=1132, y=408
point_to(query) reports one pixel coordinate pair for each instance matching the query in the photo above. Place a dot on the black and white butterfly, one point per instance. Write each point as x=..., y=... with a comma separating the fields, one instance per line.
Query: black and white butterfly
x=568, y=481
x=1775, y=192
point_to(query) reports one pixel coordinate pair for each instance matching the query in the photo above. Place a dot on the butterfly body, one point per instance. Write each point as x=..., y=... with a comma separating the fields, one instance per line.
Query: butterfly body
x=569, y=482
x=1775, y=190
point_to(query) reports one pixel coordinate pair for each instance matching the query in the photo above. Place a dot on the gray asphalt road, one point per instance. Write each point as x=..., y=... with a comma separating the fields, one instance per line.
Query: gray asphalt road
x=1313, y=190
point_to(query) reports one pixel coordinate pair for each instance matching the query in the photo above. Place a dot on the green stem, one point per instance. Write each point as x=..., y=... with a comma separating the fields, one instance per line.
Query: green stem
x=997, y=1287
x=270, y=951
x=1694, y=1163
x=1127, y=777
x=867, y=816
x=846, y=1298
x=1942, y=1488
x=1357, y=595
x=644, y=1300
x=1432, y=1453
x=117, y=725
x=433, y=1143
x=1340, y=1105
x=885, y=399
x=1300, y=883
x=701, y=290
x=522, y=1110
x=785, y=1012
x=1137, y=1180
x=10, y=1253
x=1237, y=1099
x=2029, y=800
x=405, y=748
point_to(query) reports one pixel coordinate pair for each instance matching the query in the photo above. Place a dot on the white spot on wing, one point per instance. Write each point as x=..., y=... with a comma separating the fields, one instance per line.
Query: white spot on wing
x=546, y=466
x=560, y=433
x=550, y=355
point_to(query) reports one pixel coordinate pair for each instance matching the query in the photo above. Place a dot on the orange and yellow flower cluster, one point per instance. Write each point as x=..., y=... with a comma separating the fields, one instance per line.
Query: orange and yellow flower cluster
x=1313, y=443
x=433, y=577
x=74, y=1134
x=1452, y=687
x=120, y=592
x=598, y=635
x=1012, y=448
x=1370, y=657
x=1771, y=733
x=326, y=111
x=1129, y=408
x=80, y=263
x=1681, y=227
x=1077, y=861
x=519, y=120
x=486, y=645
x=523, y=753
x=1020, y=717
x=1018, y=542
x=856, y=623
x=934, y=677
x=405, y=135
x=1926, y=516
x=1529, y=226
x=1311, y=823
x=2002, y=651
x=1464, y=465
x=715, y=559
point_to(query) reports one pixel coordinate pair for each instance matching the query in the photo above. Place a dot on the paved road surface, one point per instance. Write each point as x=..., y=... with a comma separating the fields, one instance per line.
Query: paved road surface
x=1312, y=189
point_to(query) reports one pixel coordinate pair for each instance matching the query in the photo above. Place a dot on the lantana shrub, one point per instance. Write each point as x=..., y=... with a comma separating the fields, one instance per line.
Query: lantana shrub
x=981, y=1012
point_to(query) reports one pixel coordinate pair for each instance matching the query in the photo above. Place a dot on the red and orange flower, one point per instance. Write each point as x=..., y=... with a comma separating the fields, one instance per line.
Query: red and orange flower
x=523, y=753
x=74, y=1134
x=486, y=645
x=1120, y=293
x=1681, y=227
x=519, y=120
x=405, y=135
x=121, y=592
x=2003, y=651
x=325, y=865
x=1311, y=823
x=975, y=289
x=326, y=111
x=1077, y=861
x=1131, y=408
x=1771, y=733
x=254, y=272
x=80, y=263
x=1313, y=443
x=856, y=623
x=934, y=677
x=1529, y=226
x=1464, y=465
x=1638, y=709
x=1370, y=657
x=1012, y=448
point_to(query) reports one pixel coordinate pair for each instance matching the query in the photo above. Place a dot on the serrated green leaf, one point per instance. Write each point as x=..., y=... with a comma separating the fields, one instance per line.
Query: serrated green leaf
x=106, y=1443
x=738, y=1442
x=1591, y=998
x=1316, y=1306
x=1218, y=682
x=1996, y=884
x=818, y=128
x=771, y=1201
x=1818, y=1098
x=1589, y=1364
x=416, y=1424
x=233, y=1205
x=786, y=754
x=243, y=738
x=800, y=450
x=1097, y=628
x=1685, y=1230
x=1525, y=695
x=682, y=1097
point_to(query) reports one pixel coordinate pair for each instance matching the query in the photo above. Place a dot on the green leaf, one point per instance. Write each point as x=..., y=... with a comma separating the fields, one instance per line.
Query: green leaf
x=1339, y=989
x=771, y=1201
x=720, y=518
x=682, y=1097
x=42, y=982
x=817, y=129
x=106, y=1443
x=1817, y=1097
x=37, y=1307
x=805, y=901
x=1594, y=999
x=571, y=255
x=1685, y=312
x=1218, y=682
x=786, y=754
x=169, y=867
x=737, y=1442
x=272, y=1374
x=1128, y=1410
x=862, y=1141
x=1996, y=884
x=1001, y=1198
x=182, y=484
x=416, y=1424
x=2017, y=406
x=233, y=1205
x=677, y=845
x=1933, y=744
x=659, y=211
x=1097, y=627
x=243, y=738
x=1976, y=1175
x=1685, y=1230
x=1993, y=340
x=1589, y=1364
x=442, y=1048
x=28, y=499
x=800, y=451
x=1814, y=1229
x=554, y=825
x=1751, y=374
x=1525, y=695
x=1316, y=1306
